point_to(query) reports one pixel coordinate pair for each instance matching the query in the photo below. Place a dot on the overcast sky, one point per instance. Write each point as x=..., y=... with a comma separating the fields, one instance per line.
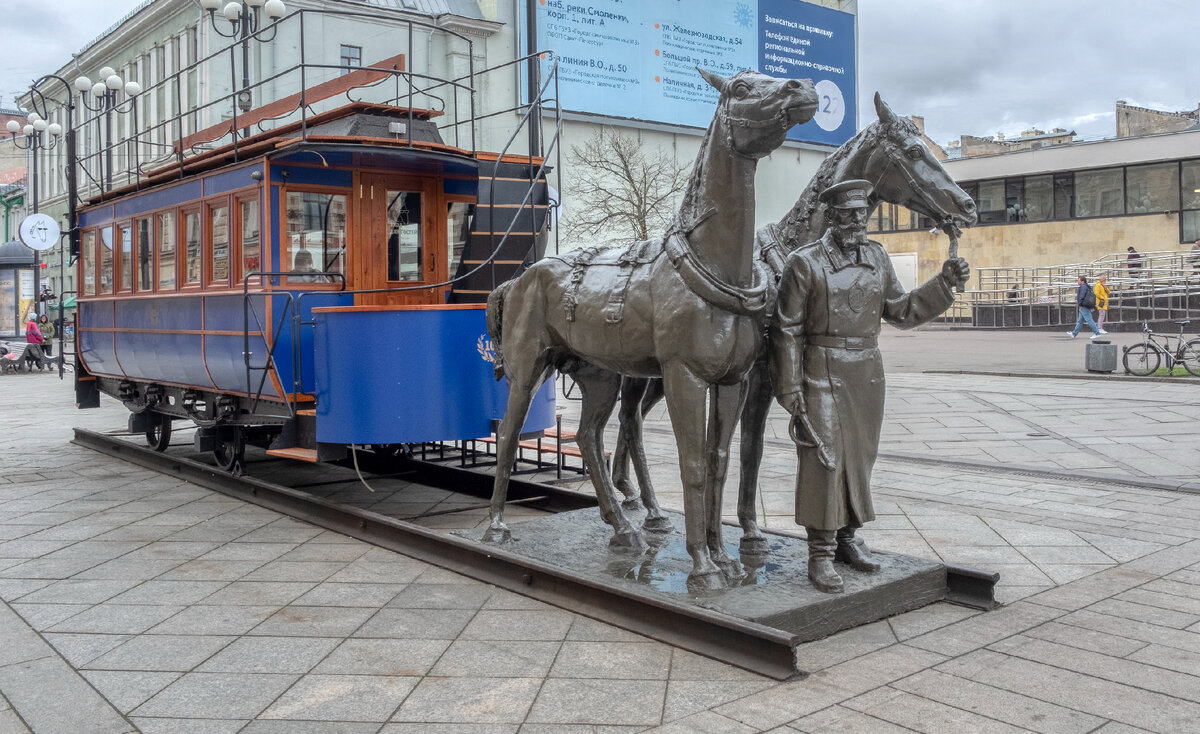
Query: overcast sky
x=969, y=67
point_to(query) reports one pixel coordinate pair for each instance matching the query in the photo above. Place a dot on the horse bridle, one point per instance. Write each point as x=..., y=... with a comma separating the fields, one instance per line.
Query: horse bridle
x=891, y=150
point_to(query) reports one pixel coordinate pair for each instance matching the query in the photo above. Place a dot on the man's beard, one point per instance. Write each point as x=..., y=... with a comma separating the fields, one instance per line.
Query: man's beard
x=853, y=237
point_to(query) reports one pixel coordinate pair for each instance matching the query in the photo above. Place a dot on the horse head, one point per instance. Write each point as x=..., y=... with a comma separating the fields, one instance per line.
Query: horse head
x=905, y=172
x=757, y=110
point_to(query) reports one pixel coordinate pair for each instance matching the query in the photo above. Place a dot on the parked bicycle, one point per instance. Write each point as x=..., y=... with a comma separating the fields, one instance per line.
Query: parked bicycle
x=1144, y=359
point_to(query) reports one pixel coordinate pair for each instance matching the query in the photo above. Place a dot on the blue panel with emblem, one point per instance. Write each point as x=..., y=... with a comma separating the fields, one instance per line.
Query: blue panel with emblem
x=427, y=377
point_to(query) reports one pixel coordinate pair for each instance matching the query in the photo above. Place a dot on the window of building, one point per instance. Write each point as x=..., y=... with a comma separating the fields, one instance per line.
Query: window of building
x=351, y=58
x=87, y=262
x=1064, y=195
x=990, y=203
x=1190, y=189
x=145, y=255
x=106, y=260
x=316, y=235
x=248, y=227
x=404, y=236
x=906, y=219
x=1153, y=188
x=459, y=216
x=218, y=218
x=1100, y=193
x=193, y=256
x=1039, y=198
x=166, y=251
x=1014, y=200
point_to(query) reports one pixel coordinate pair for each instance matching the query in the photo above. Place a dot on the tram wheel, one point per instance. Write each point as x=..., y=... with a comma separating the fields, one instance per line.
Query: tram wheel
x=158, y=434
x=231, y=452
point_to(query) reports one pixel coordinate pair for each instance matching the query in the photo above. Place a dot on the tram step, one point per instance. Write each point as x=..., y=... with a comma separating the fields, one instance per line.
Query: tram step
x=299, y=454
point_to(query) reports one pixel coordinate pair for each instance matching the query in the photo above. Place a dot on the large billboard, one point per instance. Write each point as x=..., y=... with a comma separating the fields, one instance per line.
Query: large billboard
x=637, y=58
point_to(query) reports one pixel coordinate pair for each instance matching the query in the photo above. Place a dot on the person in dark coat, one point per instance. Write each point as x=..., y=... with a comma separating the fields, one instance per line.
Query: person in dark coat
x=1134, y=263
x=1085, y=301
x=828, y=373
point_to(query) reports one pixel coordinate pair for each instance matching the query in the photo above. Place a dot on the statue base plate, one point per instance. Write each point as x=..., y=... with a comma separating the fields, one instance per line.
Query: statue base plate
x=771, y=590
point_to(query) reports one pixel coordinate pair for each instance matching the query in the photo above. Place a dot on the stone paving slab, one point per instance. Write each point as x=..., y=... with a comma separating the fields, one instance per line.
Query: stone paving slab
x=135, y=602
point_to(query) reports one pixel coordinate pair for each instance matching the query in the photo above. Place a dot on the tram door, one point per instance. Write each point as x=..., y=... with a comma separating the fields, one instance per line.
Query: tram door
x=400, y=240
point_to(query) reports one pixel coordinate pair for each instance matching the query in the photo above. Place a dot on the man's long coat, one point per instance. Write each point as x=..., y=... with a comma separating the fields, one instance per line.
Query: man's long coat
x=837, y=300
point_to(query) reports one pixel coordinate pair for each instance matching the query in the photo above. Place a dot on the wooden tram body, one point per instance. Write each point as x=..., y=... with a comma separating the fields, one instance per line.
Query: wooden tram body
x=309, y=287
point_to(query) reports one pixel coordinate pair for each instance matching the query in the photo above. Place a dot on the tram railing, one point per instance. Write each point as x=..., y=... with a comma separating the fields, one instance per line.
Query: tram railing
x=139, y=140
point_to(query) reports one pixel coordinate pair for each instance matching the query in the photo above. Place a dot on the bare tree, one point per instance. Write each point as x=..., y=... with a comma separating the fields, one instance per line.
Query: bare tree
x=621, y=191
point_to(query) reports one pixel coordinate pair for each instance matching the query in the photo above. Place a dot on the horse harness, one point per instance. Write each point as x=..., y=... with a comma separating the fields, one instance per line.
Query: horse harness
x=700, y=280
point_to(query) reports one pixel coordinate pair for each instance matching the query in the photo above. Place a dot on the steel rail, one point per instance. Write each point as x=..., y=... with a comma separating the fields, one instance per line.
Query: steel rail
x=757, y=648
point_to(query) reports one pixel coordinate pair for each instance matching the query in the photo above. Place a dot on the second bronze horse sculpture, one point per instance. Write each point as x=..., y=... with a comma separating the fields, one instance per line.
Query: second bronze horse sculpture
x=890, y=153
x=688, y=308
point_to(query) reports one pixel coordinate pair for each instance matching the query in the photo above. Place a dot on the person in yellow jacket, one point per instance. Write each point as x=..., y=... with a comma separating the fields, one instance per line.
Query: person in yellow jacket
x=1101, y=291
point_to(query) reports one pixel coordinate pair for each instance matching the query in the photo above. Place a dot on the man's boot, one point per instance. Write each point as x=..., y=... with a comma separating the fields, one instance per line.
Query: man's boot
x=821, y=546
x=854, y=551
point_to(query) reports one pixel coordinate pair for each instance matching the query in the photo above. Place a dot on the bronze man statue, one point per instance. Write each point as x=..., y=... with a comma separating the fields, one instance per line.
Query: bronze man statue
x=828, y=373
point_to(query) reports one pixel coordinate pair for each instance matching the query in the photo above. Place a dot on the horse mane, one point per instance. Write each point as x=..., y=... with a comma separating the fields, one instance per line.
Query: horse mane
x=798, y=220
x=686, y=215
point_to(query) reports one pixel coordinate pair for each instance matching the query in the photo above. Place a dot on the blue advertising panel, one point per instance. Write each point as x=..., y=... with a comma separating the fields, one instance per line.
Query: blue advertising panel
x=621, y=58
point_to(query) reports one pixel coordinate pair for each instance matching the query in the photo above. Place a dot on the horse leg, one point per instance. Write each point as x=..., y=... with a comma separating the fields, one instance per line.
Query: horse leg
x=599, y=389
x=631, y=392
x=652, y=392
x=520, y=396
x=754, y=424
x=726, y=407
x=686, y=394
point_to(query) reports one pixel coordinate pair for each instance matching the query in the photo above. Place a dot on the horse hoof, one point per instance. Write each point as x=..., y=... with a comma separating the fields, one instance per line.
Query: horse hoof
x=658, y=523
x=731, y=569
x=753, y=545
x=706, y=581
x=632, y=539
x=631, y=503
x=497, y=534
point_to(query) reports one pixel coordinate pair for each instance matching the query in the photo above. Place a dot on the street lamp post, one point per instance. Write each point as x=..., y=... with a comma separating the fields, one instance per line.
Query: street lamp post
x=243, y=14
x=104, y=99
x=41, y=108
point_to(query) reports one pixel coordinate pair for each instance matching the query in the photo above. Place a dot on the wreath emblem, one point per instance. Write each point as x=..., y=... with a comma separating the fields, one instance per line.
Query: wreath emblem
x=484, y=347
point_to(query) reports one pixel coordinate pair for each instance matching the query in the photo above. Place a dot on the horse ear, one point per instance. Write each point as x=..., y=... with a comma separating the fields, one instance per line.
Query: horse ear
x=717, y=81
x=885, y=113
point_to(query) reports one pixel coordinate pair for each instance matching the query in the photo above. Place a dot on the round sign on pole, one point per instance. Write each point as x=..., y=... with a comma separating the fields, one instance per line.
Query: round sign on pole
x=39, y=231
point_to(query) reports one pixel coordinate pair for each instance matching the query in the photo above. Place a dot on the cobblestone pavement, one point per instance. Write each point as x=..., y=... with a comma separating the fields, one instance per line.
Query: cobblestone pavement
x=133, y=601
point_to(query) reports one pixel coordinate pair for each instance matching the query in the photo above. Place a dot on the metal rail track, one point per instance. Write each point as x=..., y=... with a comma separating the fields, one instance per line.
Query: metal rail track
x=758, y=648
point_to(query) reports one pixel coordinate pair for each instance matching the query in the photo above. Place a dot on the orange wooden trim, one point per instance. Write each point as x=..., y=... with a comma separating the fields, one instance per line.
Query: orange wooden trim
x=315, y=93
x=460, y=290
x=510, y=158
x=393, y=142
x=295, y=453
x=420, y=307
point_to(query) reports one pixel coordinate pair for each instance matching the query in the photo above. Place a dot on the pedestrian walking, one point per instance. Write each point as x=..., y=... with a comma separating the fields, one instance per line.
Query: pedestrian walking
x=1085, y=301
x=1101, y=292
x=33, y=335
x=46, y=326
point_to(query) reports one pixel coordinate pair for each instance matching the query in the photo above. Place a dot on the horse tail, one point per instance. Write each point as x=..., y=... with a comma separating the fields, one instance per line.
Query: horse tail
x=495, y=324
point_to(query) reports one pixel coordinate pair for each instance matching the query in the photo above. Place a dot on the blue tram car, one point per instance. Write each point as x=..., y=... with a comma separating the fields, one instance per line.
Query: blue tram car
x=308, y=286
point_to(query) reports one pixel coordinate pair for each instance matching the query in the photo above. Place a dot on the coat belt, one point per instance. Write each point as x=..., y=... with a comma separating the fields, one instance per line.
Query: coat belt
x=857, y=343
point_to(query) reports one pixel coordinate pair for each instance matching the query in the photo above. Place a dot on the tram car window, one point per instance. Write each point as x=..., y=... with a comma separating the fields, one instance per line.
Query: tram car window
x=106, y=260
x=145, y=256
x=249, y=225
x=193, y=255
x=404, y=236
x=166, y=251
x=124, y=258
x=316, y=235
x=218, y=235
x=87, y=263
x=460, y=217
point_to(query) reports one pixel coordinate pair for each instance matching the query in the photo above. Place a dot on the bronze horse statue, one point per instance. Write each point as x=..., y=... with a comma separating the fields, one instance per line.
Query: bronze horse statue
x=890, y=153
x=688, y=308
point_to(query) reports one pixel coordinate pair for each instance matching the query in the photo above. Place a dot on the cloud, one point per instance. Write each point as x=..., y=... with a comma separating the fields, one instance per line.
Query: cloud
x=979, y=68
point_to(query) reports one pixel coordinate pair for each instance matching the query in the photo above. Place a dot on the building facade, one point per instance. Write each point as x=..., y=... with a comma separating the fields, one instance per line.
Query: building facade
x=1064, y=204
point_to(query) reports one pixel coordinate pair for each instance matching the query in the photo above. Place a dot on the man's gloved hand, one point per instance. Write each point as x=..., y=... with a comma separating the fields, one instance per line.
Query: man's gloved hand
x=956, y=272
